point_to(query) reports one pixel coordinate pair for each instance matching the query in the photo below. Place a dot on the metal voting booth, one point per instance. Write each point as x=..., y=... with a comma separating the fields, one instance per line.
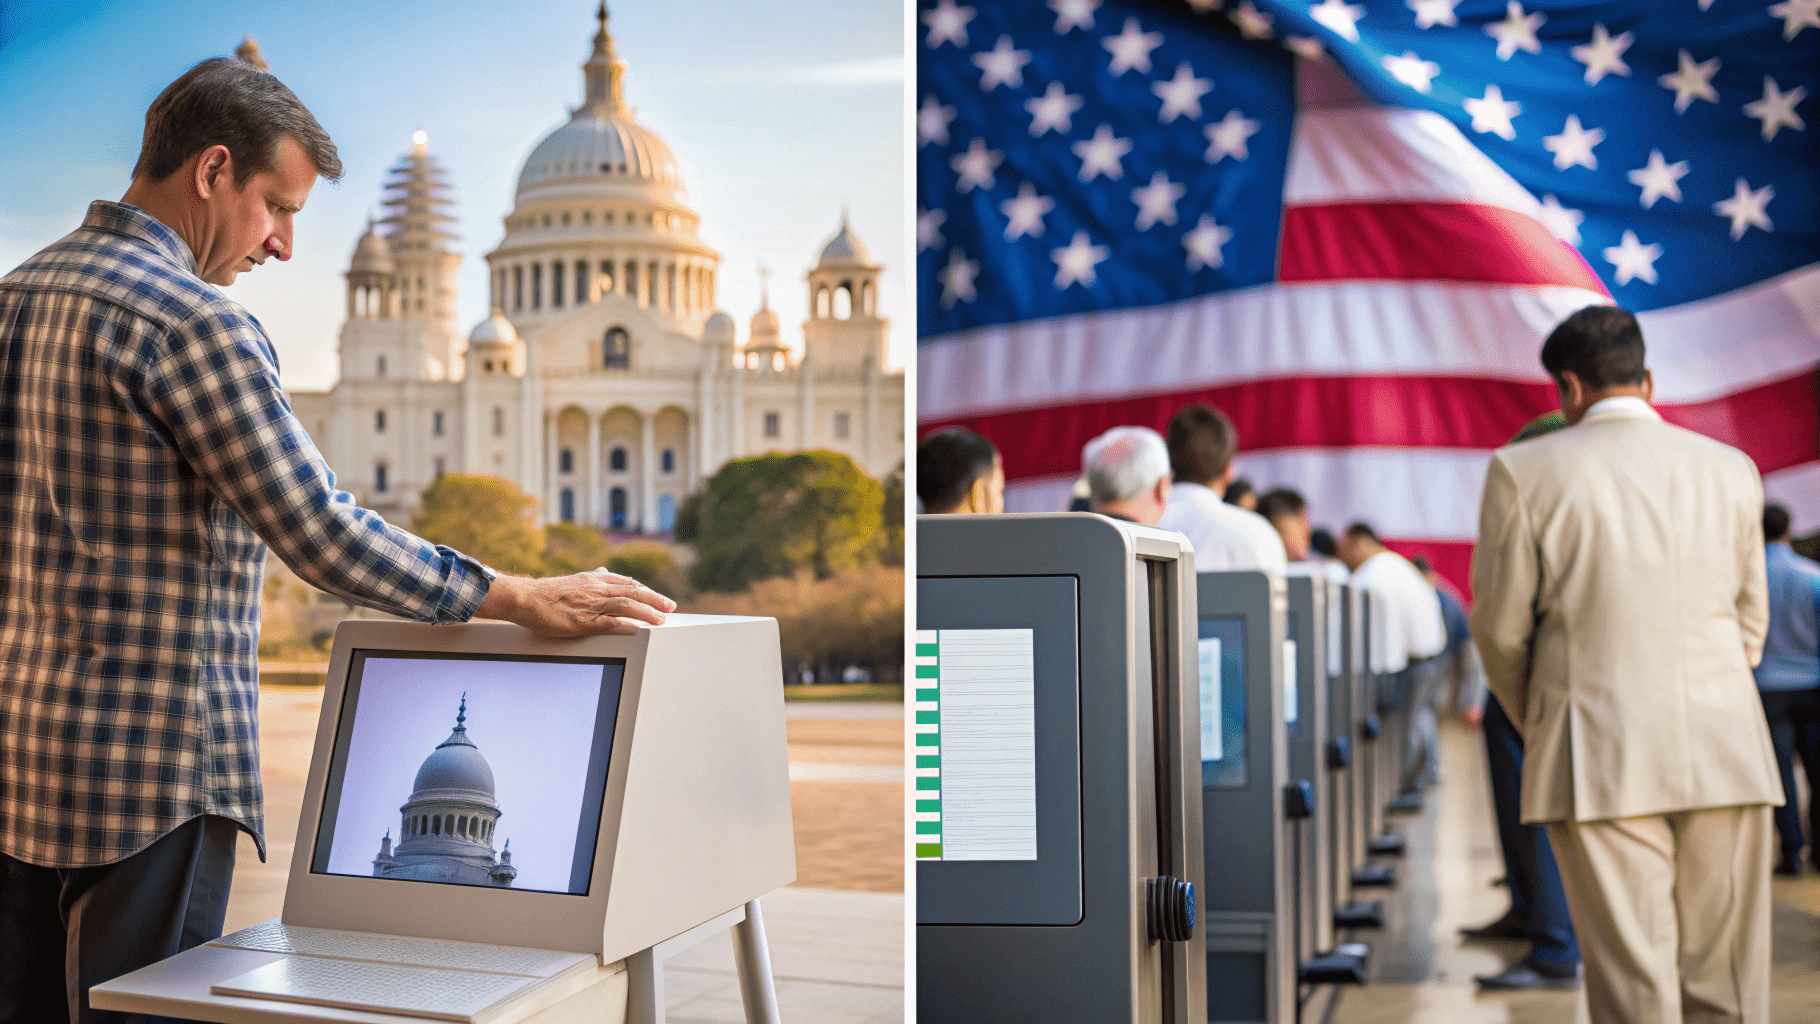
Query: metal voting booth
x=1058, y=832
x=1350, y=750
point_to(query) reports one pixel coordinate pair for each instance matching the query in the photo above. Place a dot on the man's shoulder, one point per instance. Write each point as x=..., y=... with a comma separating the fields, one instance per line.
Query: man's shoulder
x=126, y=275
x=1594, y=442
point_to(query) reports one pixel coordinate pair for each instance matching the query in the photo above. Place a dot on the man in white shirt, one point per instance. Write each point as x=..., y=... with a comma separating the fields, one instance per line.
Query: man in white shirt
x=1127, y=470
x=1415, y=635
x=1226, y=537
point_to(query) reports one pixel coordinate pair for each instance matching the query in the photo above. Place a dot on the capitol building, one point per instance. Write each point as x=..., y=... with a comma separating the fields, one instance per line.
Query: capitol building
x=605, y=383
x=445, y=833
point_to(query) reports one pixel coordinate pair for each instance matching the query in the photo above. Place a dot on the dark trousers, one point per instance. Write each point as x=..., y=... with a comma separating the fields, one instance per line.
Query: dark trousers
x=1536, y=896
x=1794, y=728
x=65, y=929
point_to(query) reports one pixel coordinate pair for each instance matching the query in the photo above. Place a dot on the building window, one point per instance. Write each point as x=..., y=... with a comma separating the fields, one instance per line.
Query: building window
x=380, y=370
x=773, y=424
x=565, y=461
x=587, y=216
x=666, y=513
x=581, y=281
x=379, y=421
x=606, y=276
x=668, y=460
x=556, y=284
x=537, y=285
x=632, y=280
x=616, y=460
x=616, y=349
x=379, y=480
x=439, y=467
x=568, y=504
x=487, y=366
x=518, y=288
x=616, y=507
x=565, y=219
x=843, y=425
x=499, y=421
x=436, y=423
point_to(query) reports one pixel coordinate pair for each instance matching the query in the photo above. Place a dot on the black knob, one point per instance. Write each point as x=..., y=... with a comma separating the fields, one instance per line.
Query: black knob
x=1171, y=909
x=1371, y=727
x=1298, y=800
x=1339, y=753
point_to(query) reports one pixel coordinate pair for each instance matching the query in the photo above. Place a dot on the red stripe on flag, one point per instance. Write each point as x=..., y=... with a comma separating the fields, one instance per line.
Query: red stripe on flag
x=1777, y=423
x=1451, y=559
x=1416, y=241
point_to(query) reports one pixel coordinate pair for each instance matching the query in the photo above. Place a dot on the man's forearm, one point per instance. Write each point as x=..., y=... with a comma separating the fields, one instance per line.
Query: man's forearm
x=504, y=600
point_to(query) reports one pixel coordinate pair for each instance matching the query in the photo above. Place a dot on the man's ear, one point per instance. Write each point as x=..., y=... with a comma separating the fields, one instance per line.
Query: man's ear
x=1573, y=390
x=1649, y=386
x=214, y=169
x=1160, y=493
x=977, y=498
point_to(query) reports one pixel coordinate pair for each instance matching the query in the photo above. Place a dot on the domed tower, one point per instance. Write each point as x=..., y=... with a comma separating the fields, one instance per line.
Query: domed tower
x=446, y=830
x=601, y=211
x=844, y=330
x=417, y=208
x=372, y=278
x=764, y=346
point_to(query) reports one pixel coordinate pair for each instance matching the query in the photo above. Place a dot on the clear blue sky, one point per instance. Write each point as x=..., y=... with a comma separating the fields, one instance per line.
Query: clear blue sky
x=780, y=111
x=534, y=723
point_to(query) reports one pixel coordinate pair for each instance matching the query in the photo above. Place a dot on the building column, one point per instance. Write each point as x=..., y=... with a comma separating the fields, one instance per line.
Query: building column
x=551, y=508
x=647, y=470
x=592, y=504
x=808, y=402
x=701, y=422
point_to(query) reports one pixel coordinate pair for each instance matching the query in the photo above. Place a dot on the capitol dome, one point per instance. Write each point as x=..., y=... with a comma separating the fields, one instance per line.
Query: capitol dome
x=372, y=255
x=600, y=144
x=494, y=330
x=845, y=249
x=456, y=764
x=719, y=328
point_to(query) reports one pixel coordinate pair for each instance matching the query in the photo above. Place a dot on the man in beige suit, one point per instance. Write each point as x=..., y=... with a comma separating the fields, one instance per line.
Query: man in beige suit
x=1620, y=603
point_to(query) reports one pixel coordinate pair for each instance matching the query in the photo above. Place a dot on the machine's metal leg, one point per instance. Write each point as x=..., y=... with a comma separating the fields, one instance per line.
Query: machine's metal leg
x=753, y=958
x=645, y=1000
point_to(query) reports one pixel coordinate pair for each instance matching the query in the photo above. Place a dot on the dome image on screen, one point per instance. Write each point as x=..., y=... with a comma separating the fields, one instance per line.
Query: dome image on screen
x=447, y=826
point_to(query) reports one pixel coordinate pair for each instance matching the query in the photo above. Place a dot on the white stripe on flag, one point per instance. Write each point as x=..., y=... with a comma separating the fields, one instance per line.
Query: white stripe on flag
x=1366, y=155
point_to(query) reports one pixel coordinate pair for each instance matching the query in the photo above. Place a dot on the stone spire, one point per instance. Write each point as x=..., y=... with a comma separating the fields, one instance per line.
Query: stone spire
x=249, y=54
x=460, y=735
x=604, y=74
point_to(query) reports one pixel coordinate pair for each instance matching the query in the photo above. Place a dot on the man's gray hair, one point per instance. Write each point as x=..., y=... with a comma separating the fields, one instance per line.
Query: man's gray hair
x=1124, y=463
x=222, y=101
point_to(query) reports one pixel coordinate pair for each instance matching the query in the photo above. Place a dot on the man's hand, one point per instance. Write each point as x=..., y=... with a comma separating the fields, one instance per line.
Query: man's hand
x=585, y=604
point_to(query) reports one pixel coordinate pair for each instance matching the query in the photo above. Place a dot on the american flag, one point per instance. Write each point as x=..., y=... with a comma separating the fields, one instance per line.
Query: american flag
x=1350, y=226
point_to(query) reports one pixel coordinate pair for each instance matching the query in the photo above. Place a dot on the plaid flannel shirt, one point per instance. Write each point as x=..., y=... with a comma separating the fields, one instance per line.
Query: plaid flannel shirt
x=146, y=448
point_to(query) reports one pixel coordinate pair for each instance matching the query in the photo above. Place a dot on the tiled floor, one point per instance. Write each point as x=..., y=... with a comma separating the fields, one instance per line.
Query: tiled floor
x=1422, y=973
x=837, y=956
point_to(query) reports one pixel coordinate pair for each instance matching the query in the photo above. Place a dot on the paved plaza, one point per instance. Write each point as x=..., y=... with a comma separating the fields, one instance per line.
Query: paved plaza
x=836, y=936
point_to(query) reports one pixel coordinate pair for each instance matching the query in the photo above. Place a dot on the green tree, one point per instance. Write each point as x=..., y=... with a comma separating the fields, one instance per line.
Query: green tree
x=572, y=548
x=891, y=520
x=777, y=515
x=484, y=517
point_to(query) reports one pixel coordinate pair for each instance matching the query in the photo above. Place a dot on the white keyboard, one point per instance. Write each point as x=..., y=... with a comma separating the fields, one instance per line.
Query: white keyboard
x=277, y=937
x=417, y=991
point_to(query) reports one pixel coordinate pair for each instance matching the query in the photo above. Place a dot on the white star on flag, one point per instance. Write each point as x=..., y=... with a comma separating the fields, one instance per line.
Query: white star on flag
x=1493, y=113
x=947, y=24
x=1604, y=55
x=1430, y=13
x=975, y=166
x=1131, y=48
x=1156, y=201
x=932, y=123
x=1777, y=108
x=1102, y=154
x=1574, y=145
x=1181, y=94
x=1660, y=178
x=1054, y=109
x=1746, y=208
x=1560, y=221
x=1074, y=264
x=1796, y=15
x=1026, y=211
x=1204, y=242
x=1341, y=18
x=1252, y=23
x=1412, y=70
x=1073, y=14
x=929, y=228
x=1692, y=81
x=1633, y=259
x=1305, y=47
x=1517, y=31
x=957, y=279
x=1001, y=65
x=1227, y=137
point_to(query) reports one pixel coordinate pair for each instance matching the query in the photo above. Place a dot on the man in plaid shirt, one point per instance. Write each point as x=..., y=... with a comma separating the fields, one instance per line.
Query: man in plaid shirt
x=147, y=457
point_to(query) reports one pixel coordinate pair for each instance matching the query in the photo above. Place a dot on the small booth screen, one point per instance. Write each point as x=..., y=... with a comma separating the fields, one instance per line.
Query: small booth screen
x=1291, y=679
x=470, y=769
x=996, y=700
x=1222, y=663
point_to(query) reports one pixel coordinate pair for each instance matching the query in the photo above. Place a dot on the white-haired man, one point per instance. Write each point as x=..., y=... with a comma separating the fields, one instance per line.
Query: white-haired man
x=1128, y=474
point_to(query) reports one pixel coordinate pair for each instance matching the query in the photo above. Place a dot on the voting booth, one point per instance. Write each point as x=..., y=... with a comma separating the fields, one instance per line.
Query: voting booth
x=1376, y=748
x=1352, y=712
x=500, y=827
x=1247, y=797
x=1057, y=801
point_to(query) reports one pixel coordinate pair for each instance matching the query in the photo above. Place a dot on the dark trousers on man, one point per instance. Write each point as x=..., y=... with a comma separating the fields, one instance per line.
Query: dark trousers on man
x=65, y=929
x=1536, y=896
x=1794, y=728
